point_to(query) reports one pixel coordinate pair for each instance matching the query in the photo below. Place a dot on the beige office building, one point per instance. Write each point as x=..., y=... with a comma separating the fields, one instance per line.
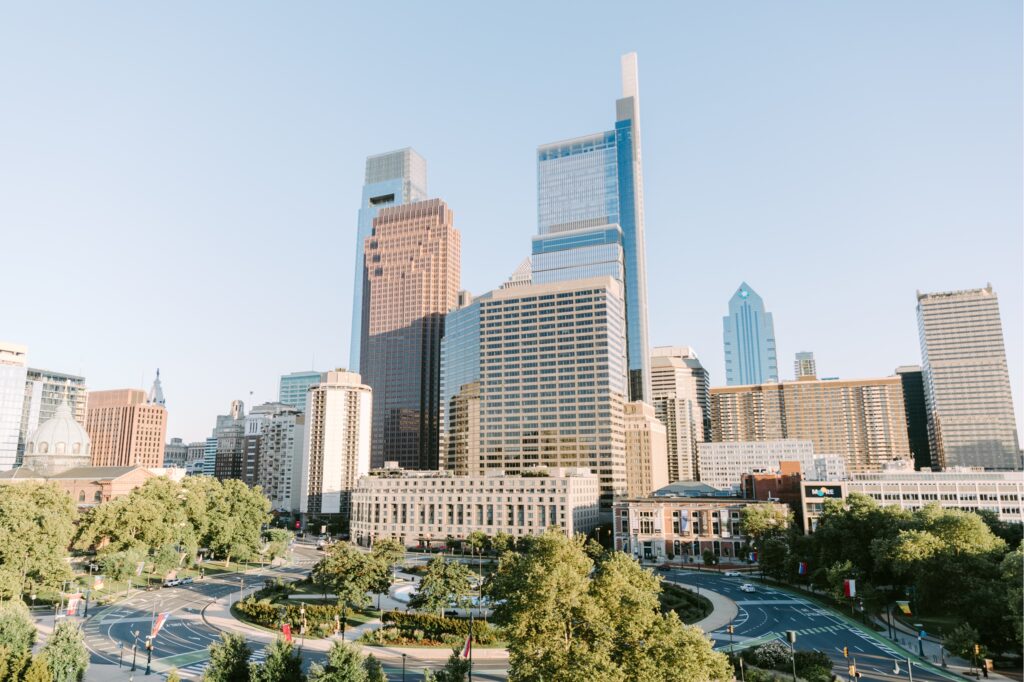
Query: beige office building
x=412, y=265
x=646, y=450
x=125, y=429
x=863, y=419
x=679, y=390
x=967, y=385
x=425, y=508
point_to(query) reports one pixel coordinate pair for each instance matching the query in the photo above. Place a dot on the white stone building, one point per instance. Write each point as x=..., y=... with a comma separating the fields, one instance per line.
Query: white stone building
x=722, y=465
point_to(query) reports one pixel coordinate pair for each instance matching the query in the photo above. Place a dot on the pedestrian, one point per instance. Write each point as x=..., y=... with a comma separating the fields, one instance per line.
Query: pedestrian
x=984, y=670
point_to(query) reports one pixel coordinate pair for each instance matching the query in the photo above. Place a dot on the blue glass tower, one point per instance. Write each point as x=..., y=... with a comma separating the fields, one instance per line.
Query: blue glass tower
x=394, y=178
x=749, y=336
x=590, y=218
x=293, y=387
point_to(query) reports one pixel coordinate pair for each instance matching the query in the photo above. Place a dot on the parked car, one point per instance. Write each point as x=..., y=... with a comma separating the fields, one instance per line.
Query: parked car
x=172, y=583
x=732, y=574
x=747, y=587
x=185, y=581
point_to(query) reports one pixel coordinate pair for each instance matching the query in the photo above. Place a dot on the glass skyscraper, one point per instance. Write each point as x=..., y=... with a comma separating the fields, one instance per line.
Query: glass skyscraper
x=392, y=179
x=591, y=219
x=749, y=337
x=292, y=390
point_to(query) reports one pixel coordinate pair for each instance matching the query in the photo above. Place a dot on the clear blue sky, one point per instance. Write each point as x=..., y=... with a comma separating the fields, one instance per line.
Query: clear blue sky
x=179, y=181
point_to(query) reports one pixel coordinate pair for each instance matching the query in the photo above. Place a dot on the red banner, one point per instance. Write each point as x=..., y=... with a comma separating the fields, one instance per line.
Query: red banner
x=850, y=588
x=286, y=630
x=161, y=618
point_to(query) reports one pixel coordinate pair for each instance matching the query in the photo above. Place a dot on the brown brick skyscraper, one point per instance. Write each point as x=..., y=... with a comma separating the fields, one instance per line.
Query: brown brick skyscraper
x=412, y=280
x=125, y=429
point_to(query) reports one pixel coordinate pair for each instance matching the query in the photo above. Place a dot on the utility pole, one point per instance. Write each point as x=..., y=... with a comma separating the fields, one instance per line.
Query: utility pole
x=791, y=637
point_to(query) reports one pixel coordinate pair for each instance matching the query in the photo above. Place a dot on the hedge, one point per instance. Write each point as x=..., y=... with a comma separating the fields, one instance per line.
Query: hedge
x=435, y=627
x=319, y=617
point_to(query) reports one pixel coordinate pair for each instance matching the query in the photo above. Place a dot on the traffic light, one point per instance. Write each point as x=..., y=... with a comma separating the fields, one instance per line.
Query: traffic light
x=977, y=649
x=852, y=669
x=846, y=652
x=149, y=643
x=731, y=629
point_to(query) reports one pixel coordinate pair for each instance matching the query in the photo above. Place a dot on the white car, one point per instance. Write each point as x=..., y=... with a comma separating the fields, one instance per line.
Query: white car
x=732, y=574
x=747, y=587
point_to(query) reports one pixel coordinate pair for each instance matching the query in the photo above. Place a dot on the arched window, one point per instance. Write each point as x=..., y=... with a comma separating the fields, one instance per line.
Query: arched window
x=44, y=448
x=98, y=497
x=81, y=496
x=59, y=448
x=76, y=448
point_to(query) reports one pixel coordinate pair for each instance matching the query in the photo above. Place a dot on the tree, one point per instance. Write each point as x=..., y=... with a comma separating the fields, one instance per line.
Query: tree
x=774, y=557
x=36, y=527
x=278, y=542
x=709, y=557
x=477, y=541
x=173, y=676
x=66, y=653
x=38, y=670
x=563, y=622
x=344, y=664
x=765, y=520
x=165, y=559
x=502, y=542
x=121, y=565
x=237, y=514
x=961, y=640
x=13, y=666
x=17, y=631
x=229, y=660
x=348, y=573
x=282, y=664
x=445, y=583
x=388, y=550
x=455, y=670
x=374, y=670
x=1012, y=569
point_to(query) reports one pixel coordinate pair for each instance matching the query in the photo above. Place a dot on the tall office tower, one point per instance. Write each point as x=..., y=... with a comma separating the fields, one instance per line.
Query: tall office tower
x=966, y=382
x=125, y=429
x=44, y=393
x=195, y=459
x=210, y=455
x=749, y=336
x=646, y=450
x=293, y=387
x=13, y=370
x=412, y=281
x=548, y=387
x=682, y=401
x=912, y=379
x=804, y=366
x=460, y=388
x=590, y=214
x=337, y=444
x=175, y=453
x=229, y=444
x=391, y=179
x=279, y=454
x=864, y=420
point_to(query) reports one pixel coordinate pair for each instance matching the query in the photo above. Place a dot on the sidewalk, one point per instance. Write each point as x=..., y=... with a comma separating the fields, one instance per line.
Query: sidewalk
x=723, y=609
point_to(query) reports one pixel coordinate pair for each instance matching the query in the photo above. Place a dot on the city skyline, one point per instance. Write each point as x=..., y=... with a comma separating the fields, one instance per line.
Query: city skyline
x=876, y=211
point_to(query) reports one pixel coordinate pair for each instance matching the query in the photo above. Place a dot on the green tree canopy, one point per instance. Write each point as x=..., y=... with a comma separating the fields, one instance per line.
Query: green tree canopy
x=237, y=514
x=36, y=528
x=346, y=572
x=344, y=664
x=444, y=584
x=66, y=653
x=229, y=660
x=282, y=664
x=766, y=520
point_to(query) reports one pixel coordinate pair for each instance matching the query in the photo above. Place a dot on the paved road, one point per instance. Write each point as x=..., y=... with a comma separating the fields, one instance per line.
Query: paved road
x=768, y=613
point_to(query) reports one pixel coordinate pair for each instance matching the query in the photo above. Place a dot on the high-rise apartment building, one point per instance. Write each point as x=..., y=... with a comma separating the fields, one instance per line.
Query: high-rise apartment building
x=293, y=387
x=337, y=444
x=13, y=370
x=412, y=281
x=44, y=392
x=966, y=381
x=280, y=455
x=590, y=213
x=392, y=179
x=916, y=408
x=535, y=375
x=682, y=401
x=864, y=420
x=722, y=465
x=749, y=338
x=804, y=366
x=646, y=450
x=125, y=429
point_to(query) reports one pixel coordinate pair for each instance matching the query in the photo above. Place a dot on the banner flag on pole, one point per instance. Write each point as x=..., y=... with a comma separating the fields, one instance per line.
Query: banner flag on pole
x=161, y=618
x=467, y=648
x=73, y=602
x=286, y=630
x=98, y=582
x=904, y=607
x=850, y=588
x=139, y=567
x=802, y=568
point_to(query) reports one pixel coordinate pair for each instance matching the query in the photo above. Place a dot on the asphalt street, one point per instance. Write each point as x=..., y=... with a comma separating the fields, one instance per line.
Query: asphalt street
x=768, y=613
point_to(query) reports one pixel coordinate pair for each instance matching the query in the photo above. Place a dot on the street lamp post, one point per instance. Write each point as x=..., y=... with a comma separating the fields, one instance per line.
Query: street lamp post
x=791, y=636
x=149, y=653
x=120, y=651
x=302, y=614
x=732, y=644
x=403, y=667
x=135, y=647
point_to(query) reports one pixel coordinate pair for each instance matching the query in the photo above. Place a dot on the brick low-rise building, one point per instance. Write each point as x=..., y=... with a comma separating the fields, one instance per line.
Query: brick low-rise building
x=427, y=508
x=669, y=526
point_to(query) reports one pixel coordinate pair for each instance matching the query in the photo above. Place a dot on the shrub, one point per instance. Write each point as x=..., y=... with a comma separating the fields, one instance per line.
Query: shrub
x=773, y=655
x=806, y=660
x=436, y=628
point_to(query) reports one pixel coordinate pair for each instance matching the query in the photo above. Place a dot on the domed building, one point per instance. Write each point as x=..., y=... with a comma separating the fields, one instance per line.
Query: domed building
x=59, y=444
